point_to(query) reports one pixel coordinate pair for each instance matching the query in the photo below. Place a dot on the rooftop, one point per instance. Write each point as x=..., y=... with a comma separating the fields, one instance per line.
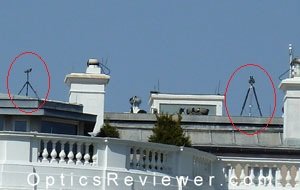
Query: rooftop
x=213, y=133
x=50, y=108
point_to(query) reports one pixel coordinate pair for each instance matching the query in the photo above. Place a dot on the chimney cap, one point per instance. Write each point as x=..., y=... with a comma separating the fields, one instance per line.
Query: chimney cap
x=93, y=61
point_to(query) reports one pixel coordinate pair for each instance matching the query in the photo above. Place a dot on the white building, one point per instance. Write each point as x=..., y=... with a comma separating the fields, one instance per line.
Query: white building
x=53, y=147
x=172, y=103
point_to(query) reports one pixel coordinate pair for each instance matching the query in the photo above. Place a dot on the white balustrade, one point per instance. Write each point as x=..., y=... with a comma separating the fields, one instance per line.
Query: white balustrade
x=68, y=154
x=262, y=174
x=62, y=152
x=147, y=159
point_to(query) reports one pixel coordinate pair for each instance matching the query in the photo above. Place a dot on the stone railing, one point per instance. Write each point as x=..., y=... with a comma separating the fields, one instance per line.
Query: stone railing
x=150, y=158
x=66, y=151
x=49, y=154
x=261, y=173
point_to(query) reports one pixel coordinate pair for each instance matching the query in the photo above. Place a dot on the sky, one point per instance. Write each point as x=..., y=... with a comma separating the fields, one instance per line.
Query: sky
x=188, y=46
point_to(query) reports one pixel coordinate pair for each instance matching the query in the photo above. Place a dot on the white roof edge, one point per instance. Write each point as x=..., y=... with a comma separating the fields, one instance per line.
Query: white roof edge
x=186, y=96
x=20, y=97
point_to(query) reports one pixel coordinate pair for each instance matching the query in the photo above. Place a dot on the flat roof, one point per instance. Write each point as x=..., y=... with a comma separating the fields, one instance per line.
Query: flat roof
x=185, y=97
x=214, y=131
x=50, y=108
x=207, y=119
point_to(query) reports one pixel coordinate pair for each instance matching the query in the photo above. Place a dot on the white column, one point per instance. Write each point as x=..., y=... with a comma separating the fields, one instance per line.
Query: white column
x=291, y=132
x=88, y=89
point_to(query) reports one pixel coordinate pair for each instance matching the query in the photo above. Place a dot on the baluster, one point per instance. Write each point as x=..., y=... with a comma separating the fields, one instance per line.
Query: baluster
x=233, y=177
x=45, y=153
x=39, y=150
x=79, y=154
x=138, y=157
x=94, y=158
x=278, y=178
x=288, y=178
x=147, y=159
x=134, y=161
x=270, y=178
x=141, y=161
x=53, y=153
x=224, y=173
x=156, y=155
x=62, y=154
x=87, y=156
x=261, y=179
x=229, y=172
x=297, y=178
x=163, y=161
x=252, y=177
x=71, y=154
x=152, y=160
x=242, y=176
x=131, y=157
x=159, y=155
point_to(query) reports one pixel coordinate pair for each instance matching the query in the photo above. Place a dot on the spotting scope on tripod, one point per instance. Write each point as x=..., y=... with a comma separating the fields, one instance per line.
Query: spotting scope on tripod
x=28, y=85
x=251, y=90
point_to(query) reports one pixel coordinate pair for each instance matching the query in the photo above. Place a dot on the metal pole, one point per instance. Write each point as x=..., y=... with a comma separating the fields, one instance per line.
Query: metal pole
x=245, y=101
x=257, y=102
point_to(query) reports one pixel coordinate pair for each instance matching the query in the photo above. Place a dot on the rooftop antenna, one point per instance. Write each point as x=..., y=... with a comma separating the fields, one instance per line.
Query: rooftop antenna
x=156, y=88
x=27, y=84
x=290, y=70
x=251, y=90
x=291, y=59
x=217, y=90
x=104, y=68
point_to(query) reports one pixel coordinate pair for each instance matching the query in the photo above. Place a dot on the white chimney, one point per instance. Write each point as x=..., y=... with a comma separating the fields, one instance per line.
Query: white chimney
x=291, y=115
x=88, y=89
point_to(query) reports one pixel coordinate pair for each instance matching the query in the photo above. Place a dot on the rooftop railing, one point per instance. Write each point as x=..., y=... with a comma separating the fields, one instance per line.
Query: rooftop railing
x=261, y=173
x=102, y=154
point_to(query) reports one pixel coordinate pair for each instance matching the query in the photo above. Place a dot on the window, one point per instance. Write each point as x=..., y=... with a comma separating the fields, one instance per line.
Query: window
x=1, y=124
x=20, y=125
x=175, y=108
x=58, y=128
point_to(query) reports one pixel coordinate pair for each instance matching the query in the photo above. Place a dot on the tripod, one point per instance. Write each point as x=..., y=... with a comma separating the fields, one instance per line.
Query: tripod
x=251, y=87
x=27, y=85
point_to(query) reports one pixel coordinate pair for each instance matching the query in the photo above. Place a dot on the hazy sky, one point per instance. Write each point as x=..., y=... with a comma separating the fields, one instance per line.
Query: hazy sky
x=189, y=46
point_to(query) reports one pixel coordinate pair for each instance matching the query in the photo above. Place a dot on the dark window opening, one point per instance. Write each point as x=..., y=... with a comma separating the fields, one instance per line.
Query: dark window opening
x=1, y=124
x=58, y=128
x=20, y=125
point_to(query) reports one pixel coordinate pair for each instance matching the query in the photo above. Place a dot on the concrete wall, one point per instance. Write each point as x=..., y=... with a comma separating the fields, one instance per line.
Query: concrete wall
x=203, y=130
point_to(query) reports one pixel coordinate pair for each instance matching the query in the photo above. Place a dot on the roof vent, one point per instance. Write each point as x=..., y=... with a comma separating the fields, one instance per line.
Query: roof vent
x=93, y=66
